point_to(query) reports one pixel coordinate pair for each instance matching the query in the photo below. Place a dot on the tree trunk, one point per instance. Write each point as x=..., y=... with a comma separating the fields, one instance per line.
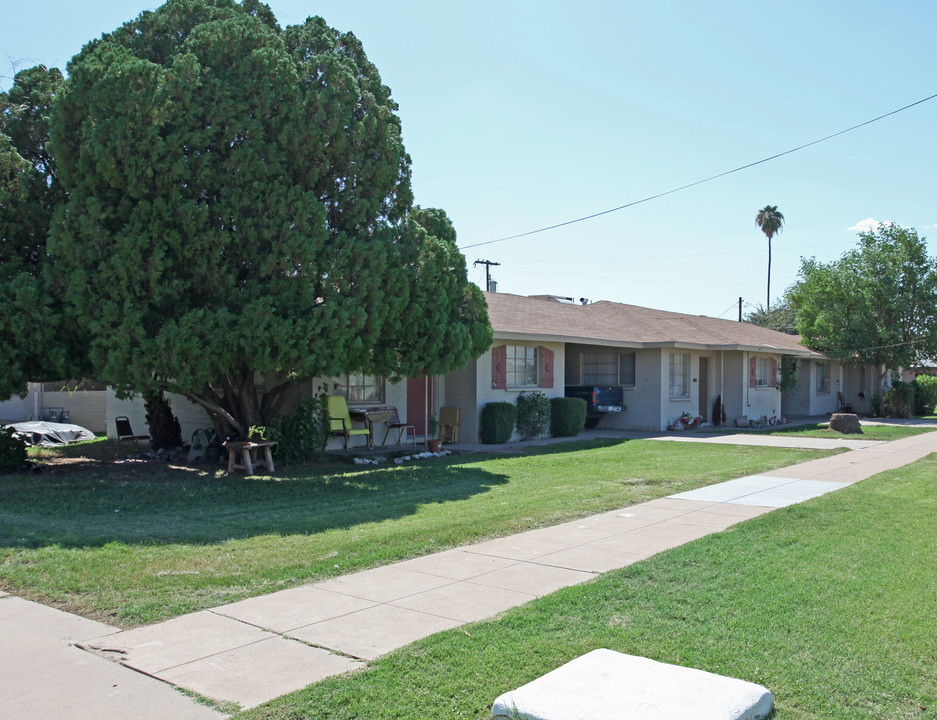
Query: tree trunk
x=239, y=404
x=768, y=300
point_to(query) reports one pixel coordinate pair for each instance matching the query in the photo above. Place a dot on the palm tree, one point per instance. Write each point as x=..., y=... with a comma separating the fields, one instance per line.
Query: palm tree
x=770, y=221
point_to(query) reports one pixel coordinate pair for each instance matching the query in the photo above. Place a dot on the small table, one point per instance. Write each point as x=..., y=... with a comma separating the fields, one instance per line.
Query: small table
x=248, y=451
x=369, y=416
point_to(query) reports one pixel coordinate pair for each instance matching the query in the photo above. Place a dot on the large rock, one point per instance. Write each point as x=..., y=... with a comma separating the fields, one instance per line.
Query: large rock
x=608, y=685
x=845, y=423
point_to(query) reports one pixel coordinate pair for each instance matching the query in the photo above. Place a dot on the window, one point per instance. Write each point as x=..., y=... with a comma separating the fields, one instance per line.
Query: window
x=608, y=368
x=763, y=372
x=523, y=366
x=679, y=375
x=361, y=388
x=823, y=377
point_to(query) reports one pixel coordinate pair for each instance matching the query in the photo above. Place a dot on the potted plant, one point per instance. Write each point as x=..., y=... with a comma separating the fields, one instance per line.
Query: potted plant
x=433, y=442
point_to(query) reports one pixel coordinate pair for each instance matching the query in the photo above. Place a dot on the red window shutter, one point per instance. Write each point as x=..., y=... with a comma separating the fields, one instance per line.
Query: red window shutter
x=753, y=372
x=774, y=373
x=499, y=367
x=546, y=367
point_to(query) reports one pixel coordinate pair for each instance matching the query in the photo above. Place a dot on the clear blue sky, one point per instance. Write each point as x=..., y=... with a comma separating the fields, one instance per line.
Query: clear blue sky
x=519, y=115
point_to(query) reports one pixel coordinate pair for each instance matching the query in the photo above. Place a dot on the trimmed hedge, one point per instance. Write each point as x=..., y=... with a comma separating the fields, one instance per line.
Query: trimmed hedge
x=533, y=414
x=899, y=400
x=567, y=416
x=497, y=422
x=925, y=394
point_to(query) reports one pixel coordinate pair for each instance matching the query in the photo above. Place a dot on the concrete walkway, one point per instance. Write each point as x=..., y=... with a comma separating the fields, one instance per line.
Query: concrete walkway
x=254, y=650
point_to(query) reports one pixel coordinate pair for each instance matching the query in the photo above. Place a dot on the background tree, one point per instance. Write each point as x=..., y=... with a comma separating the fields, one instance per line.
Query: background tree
x=781, y=317
x=876, y=305
x=34, y=343
x=770, y=220
x=239, y=215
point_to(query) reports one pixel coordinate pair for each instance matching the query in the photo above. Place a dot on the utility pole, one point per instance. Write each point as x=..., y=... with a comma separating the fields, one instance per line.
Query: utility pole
x=740, y=309
x=487, y=264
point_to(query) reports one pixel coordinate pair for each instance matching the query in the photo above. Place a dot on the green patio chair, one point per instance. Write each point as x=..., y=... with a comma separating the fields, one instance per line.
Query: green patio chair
x=340, y=421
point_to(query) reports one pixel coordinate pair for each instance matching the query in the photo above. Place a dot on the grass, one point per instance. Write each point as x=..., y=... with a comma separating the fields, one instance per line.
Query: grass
x=869, y=432
x=829, y=604
x=131, y=544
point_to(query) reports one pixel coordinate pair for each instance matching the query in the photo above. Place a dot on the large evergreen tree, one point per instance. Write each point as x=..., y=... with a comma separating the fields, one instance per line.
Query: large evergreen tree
x=876, y=305
x=239, y=215
x=34, y=343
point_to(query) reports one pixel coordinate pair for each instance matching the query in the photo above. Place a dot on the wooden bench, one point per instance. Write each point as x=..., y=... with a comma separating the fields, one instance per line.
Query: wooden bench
x=248, y=454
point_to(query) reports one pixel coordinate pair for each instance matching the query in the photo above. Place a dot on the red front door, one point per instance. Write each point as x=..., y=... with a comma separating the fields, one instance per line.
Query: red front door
x=419, y=398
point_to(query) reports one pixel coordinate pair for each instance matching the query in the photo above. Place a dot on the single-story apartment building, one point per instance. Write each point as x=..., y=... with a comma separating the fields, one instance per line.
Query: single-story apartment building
x=667, y=363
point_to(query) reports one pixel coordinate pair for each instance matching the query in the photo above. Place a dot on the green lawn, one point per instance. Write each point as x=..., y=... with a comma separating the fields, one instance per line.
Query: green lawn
x=829, y=604
x=133, y=544
x=869, y=432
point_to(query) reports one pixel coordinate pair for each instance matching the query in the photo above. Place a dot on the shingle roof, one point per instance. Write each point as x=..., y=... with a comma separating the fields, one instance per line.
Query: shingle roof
x=609, y=323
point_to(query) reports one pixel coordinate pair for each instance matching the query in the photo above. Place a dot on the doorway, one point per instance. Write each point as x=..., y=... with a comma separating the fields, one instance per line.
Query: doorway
x=419, y=398
x=704, y=388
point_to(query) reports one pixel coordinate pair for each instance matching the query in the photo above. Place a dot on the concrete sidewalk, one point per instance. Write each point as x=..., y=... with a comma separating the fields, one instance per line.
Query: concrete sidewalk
x=254, y=650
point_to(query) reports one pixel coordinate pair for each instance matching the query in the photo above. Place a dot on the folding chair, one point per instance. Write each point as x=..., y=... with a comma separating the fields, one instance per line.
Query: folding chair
x=402, y=428
x=125, y=434
x=449, y=420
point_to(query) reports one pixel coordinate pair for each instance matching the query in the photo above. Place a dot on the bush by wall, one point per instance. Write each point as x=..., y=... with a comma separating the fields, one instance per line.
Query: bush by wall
x=497, y=422
x=12, y=452
x=899, y=400
x=301, y=437
x=925, y=394
x=567, y=416
x=533, y=414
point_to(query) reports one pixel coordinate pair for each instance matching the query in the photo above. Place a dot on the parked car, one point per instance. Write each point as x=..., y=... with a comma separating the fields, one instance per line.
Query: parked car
x=600, y=401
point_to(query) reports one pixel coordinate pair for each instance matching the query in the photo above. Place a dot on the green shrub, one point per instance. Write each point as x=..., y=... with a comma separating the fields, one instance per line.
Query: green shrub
x=899, y=400
x=497, y=422
x=12, y=452
x=533, y=414
x=301, y=437
x=567, y=416
x=925, y=394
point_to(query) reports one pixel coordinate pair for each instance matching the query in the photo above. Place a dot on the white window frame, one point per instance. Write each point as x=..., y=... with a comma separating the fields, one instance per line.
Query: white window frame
x=612, y=374
x=762, y=373
x=679, y=376
x=823, y=378
x=361, y=389
x=522, y=366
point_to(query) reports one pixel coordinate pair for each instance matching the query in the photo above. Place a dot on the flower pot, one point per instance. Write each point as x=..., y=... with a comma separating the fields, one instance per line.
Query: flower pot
x=434, y=445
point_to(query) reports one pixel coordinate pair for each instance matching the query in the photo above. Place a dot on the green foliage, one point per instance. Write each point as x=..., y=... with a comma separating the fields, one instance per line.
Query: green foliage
x=12, y=452
x=533, y=414
x=301, y=437
x=781, y=317
x=37, y=344
x=873, y=306
x=567, y=416
x=925, y=394
x=239, y=212
x=790, y=377
x=899, y=400
x=497, y=422
x=165, y=431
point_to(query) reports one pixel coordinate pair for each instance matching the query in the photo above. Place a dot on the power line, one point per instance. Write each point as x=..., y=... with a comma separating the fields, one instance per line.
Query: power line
x=700, y=182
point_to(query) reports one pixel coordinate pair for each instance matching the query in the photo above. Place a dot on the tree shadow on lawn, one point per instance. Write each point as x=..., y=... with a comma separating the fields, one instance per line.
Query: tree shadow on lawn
x=91, y=503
